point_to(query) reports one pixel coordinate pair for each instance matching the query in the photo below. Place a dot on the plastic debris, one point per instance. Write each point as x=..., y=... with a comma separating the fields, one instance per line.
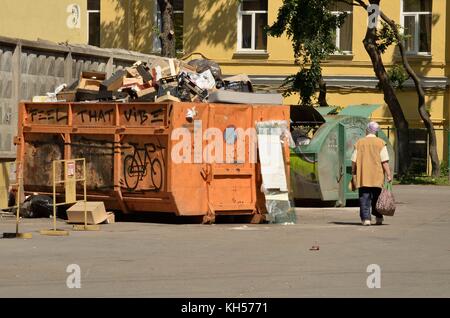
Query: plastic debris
x=315, y=247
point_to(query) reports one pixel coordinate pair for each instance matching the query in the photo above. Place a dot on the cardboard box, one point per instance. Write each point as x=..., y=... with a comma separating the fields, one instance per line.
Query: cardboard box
x=167, y=98
x=114, y=82
x=132, y=71
x=146, y=91
x=96, y=213
x=100, y=76
x=91, y=80
x=129, y=82
x=111, y=219
x=185, y=67
x=68, y=96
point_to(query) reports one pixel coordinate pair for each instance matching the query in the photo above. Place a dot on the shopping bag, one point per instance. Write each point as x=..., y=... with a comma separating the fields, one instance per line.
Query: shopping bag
x=386, y=202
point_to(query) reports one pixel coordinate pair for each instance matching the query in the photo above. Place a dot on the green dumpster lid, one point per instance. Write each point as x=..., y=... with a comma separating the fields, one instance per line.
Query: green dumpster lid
x=326, y=110
x=364, y=110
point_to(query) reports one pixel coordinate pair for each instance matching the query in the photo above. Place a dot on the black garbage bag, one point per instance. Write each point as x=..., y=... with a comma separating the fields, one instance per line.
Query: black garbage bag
x=37, y=206
x=203, y=65
x=25, y=210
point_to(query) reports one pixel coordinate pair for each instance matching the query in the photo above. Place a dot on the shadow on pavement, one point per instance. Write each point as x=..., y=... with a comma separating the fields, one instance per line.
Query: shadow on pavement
x=346, y=223
x=313, y=203
x=354, y=223
x=170, y=218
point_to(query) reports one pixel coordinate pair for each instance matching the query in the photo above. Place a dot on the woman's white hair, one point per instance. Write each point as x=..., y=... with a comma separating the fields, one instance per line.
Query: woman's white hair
x=372, y=127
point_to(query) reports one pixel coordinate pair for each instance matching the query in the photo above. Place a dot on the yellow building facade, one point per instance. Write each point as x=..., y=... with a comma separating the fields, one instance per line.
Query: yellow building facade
x=231, y=33
x=53, y=20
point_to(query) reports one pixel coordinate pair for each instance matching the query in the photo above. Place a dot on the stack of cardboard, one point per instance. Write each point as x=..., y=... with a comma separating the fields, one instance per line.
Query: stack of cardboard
x=165, y=80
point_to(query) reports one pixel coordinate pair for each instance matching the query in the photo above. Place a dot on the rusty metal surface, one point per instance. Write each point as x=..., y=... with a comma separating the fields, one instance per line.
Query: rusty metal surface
x=40, y=151
x=99, y=154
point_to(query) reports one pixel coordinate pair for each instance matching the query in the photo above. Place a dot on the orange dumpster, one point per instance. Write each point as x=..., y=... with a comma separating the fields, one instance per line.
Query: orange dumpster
x=184, y=158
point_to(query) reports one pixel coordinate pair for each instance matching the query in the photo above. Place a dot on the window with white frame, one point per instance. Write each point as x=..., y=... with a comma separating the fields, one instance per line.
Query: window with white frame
x=416, y=19
x=178, y=20
x=252, y=19
x=93, y=22
x=344, y=33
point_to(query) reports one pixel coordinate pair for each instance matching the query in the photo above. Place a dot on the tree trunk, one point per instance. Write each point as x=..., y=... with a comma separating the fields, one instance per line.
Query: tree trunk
x=390, y=98
x=436, y=171
x=322, y=93
x=167, y=35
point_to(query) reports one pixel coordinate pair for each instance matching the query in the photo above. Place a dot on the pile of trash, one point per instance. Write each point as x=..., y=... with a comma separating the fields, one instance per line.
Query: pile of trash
x=199, y=80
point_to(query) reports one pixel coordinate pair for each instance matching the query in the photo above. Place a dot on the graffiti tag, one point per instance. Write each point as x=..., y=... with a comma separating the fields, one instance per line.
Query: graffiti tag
x=47, y=115
x=142, y=116
x=144, y=163
x=95, y=115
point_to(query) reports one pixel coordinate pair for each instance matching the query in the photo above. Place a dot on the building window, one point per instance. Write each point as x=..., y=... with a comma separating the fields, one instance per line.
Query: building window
x=344, y=33
x=252, y=19
x=93, y=20
x=418, y=140
x=416, y=19
x=178, y=20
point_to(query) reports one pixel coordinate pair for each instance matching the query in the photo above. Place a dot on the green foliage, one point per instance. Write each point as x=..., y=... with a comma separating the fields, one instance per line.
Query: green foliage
x=423, y=180
x=155, y=30
x=397, y=75
x=412, y=178
x=311, y=27
x=386, y=36
x=444, y=169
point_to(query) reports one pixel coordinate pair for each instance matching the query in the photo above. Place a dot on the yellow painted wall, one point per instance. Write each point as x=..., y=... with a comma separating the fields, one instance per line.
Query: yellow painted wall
x=43, y=19
x=114, y=29
x=211, y=28
x=127, y=24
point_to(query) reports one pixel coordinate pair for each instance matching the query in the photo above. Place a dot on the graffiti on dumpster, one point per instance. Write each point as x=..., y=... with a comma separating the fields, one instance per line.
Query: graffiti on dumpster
x=142, y=115
x=52, y=114
x=87, y=115
x=144, y=166
x=132, y=115
x=93, y=115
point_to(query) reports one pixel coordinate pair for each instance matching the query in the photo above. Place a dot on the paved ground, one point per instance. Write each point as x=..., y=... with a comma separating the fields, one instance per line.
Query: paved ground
x=235, y=260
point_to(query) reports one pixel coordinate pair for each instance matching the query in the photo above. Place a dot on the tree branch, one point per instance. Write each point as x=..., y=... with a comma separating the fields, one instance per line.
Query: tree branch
x=418, y=85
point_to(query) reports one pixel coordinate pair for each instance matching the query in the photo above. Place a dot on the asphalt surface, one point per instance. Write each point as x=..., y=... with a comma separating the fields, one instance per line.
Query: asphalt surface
x=145, y=259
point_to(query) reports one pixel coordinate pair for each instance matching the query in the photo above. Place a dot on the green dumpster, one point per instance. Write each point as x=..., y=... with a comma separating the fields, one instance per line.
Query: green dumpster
x=321, y=161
